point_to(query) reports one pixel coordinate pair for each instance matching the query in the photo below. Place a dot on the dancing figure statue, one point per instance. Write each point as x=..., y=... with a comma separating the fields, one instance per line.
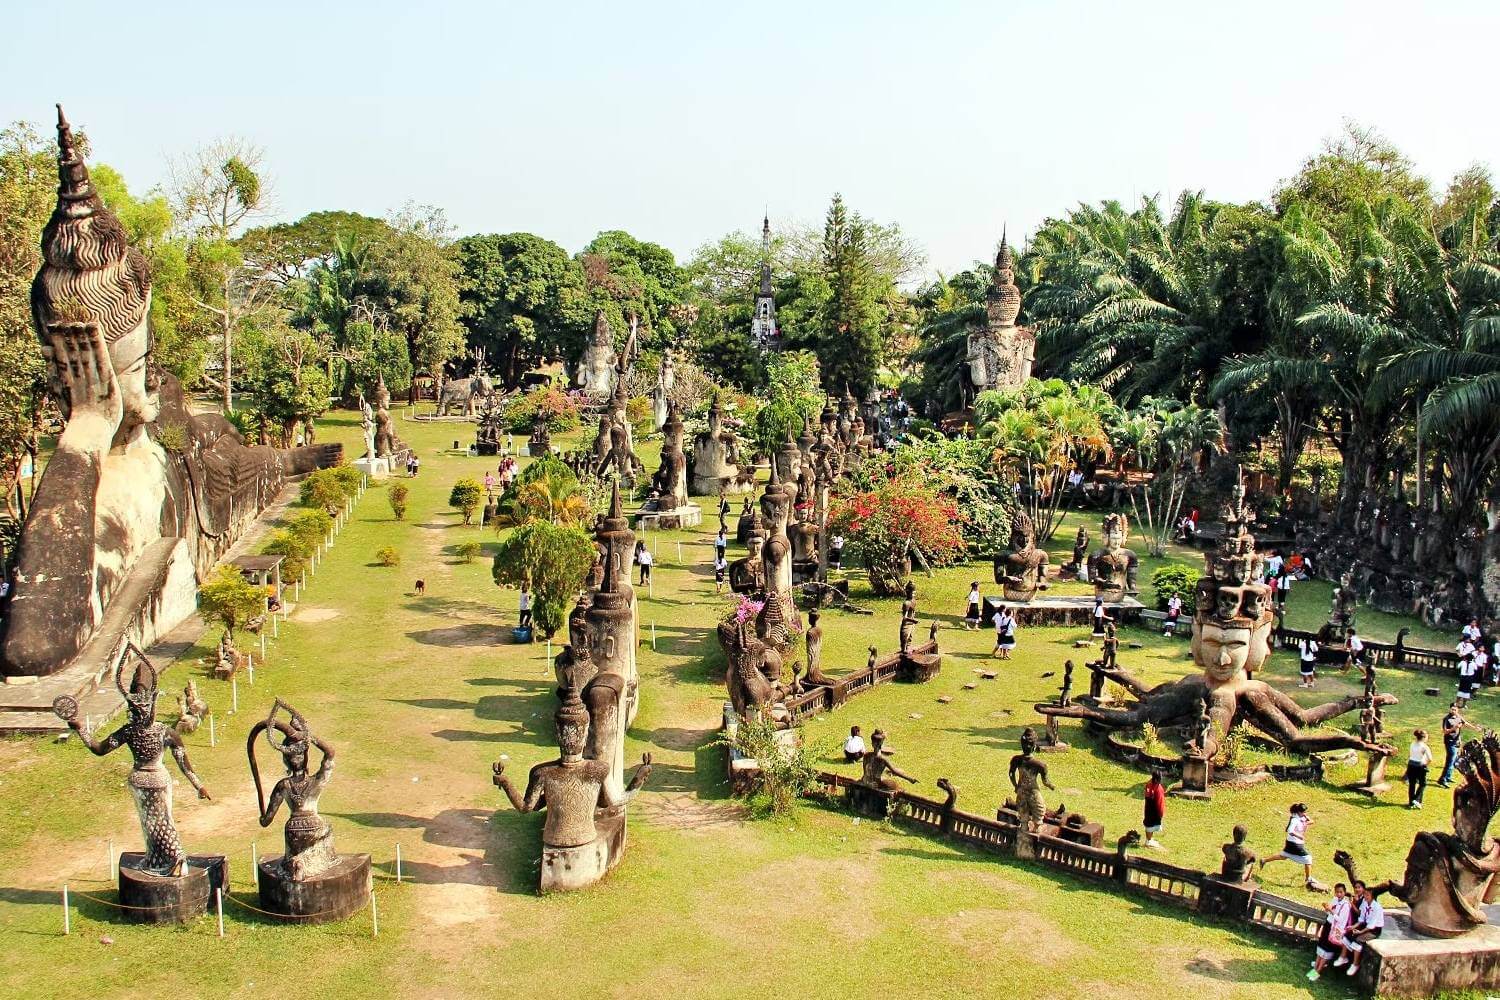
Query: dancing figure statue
x=148, y=741
x=1027, y=773
x=309, y=837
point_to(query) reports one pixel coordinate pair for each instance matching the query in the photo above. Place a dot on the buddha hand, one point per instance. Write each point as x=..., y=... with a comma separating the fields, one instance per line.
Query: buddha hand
x=82, y=365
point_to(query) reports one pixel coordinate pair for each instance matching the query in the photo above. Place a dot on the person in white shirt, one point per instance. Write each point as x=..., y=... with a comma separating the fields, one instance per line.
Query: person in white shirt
x=1468, y=679
x=644, y=558
x=1274, y=562
x=1367, y=926
x=1418, y=759
x=1307, y=653
x=721, y=566
x=1005, y=633
x=1174, y=613
x=1331, y=934
x=1356, y=647
x=1465, y=648
x=1472, y=631
x=524, y=606
x=836, y=551
x=854, y=746
x=973, y=614
x=1295, y=848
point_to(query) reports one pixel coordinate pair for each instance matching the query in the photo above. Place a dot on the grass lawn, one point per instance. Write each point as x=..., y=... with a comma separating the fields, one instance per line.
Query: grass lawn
x=420, y=694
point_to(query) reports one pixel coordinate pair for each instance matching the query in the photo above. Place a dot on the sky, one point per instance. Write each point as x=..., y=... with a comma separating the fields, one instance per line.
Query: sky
x=680, y=122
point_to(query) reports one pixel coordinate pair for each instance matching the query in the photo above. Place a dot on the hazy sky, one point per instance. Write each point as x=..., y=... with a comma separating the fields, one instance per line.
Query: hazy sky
x=682, y=121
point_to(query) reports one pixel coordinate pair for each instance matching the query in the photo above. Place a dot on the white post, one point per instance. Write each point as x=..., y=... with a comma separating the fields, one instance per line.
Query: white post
x=255, y=866
x=262, y=644
x=651, y=586
x=219, y=905
x=549, y=652
x=250, y=667
x=374, y=916
x=67, y=923
x=679, y=553
x=275, y=628
x=398, y=864
x=653, y=634
x=234, y=695
x=211, y=741
x=109, y=852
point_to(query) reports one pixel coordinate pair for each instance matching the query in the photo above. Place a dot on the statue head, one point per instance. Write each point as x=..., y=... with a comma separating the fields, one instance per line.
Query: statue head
x=877, y=740
x=1226, y=649
x=92, y=280
x=1114, y=530
x=1022, y=533
x=1239, y=835
x=1028, y=741
x=140, y=697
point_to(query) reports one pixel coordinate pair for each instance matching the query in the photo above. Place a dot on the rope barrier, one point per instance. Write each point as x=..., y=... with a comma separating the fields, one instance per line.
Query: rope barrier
x=141, y=909
x=290, y=916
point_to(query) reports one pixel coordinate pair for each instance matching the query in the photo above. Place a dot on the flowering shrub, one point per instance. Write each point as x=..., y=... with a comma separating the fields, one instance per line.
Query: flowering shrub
x=886, y=522
x=560, y=408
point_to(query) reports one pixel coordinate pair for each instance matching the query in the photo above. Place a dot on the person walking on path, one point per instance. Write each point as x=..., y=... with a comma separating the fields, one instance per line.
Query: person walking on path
x=1331, y=934
x=524, y=606
x=1295, y=848
x=1418, y=760
x=1156, y=808
x=971, y=617
x=1307, y=652
x=721, y=567
x=644, y=559
x=1005, y=633
x=1174, y=613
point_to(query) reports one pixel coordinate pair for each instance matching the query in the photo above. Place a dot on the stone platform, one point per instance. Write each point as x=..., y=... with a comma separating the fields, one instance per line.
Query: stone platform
x=1401, y=963
x=689, y=516
x=169, y=899
x=335, y=894
x=568, y=868
x=1073, y=610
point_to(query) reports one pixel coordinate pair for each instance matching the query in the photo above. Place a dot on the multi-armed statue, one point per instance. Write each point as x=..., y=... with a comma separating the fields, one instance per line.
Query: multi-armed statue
x=141, y=496
x=597, y=366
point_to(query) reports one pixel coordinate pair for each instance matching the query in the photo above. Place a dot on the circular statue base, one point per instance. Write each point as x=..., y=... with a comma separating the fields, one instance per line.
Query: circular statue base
x=334, y=894
x=170, y=899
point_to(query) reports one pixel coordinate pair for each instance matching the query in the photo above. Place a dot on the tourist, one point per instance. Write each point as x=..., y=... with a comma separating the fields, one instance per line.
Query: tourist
x=1368, y=923
x=489, y=484
x=1297, y=566
x=1356, y=649
x=1100, y=615
x=1174, y=613
x=644, y=559
x=1481, y=661
x=1465, y=648
x=1472, y=631
x=971, y=617
x=1418, y=759
x=510, y=443
x=416, y=465
x=1284, y=587
x=1453, y=731
x=1468, y=679
x=524, y=604
x=836, y=551
x=1295, y=848
x=1307, y=653
x=1331, y=934
x=1494, y=663
x=721, y=543
x=1005, y=633
x=854, y=746
x=721, y=567
x=1274, y=562
x=1156, y=808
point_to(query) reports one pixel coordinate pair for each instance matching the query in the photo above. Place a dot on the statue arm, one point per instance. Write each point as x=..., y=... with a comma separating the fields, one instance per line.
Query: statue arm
x=1041, y=773
x=533, y=797
x=608, y=801
x=179, y=754
x=897, y=771
x=99, y=748
x=274, y=804
x=325, y=768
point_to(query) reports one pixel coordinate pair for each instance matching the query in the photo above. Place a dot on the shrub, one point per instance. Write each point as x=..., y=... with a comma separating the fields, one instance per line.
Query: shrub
x=230, y=600
x=550, y=558
x=786, y=769
x=560, y=409
x=468, y=550
x=329, y=488
x=311, y=527
x=1175, y=578
x=349, y=478
x=637, y=409
x=294, y=552
x=388, y=556
x=397, y=496
x=1151, y=741
x=883, y=524
x=466, y=496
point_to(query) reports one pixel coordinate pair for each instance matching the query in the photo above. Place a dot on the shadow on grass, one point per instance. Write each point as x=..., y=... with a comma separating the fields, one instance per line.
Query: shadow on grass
x=471, y=634
x=497, y=861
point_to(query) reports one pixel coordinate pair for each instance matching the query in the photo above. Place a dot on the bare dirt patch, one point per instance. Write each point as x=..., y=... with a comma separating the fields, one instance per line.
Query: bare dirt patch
x=687, y=812
x=307, y=614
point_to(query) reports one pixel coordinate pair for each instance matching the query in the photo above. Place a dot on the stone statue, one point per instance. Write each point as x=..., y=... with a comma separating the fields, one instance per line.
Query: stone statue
x=776, y=550
x=814, y=639
x=1027, y=773
x=1231, y=640
x=387, y=444
x=191, y=709
x=1111, y=644
x=597, y=366
x=367, y=425
x=876, y=769
x=750, y=691
x=148, y=741
x=908, y=616
x=1023, y=569
x=1065, y=696
x=1449, y=876
x=1342, y=611
x=714, y=451
x=1000, y=353
x=671, y=478
x=1113, y=569
x=540, y=442
x=142, y=496
x=788, y=460
x=309, y=837
x=1080, y=550
x=1239, y=860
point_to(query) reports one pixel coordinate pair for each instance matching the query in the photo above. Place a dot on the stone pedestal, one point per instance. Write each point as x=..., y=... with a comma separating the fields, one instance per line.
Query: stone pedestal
x=568, y=868
x=375, y=468
x=1052, y=741
x=1375, y=783
x=334, y=894
x=1231, y=900
x=686, y=516
x=915, y=668
x=872, y=802
x=1400, y=963
x=1196, y=773
x=170, y=899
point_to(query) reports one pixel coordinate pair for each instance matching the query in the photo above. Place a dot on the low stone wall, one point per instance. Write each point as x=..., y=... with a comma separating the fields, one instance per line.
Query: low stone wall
x=1382, y=654
x=826, y=697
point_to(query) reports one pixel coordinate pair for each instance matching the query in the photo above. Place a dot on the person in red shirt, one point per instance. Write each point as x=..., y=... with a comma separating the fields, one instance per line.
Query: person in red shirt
x=1156, y=808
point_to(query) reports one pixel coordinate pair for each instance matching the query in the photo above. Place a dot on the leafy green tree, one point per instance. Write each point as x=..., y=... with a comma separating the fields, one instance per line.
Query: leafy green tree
x=230, y=600
x=289, y=385
x=630, y=277
x=1165, y=438
x=523, y=299
x=848, y=337
x=792, y=395
x=465, y=497
x=397, y=496
x=551, y=559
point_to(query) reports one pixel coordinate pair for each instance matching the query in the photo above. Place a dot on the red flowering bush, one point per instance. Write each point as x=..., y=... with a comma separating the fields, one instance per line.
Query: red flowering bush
x=884, y=524
x=560, y=409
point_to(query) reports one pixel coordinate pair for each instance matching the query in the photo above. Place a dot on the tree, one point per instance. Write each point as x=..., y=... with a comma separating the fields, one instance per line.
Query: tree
x=397, y=497
x=848, y=338
x=466, y=496
x=1165, y=437
x=1040, y=433
x=523, y=300
x=215, y=191
x=284, y=368
x=230, y=600
x=551, y=559
x=893, y=522
x=792, y=395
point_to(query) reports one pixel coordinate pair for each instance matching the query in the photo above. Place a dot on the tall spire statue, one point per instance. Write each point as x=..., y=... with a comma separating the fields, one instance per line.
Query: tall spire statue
x=763, y=327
